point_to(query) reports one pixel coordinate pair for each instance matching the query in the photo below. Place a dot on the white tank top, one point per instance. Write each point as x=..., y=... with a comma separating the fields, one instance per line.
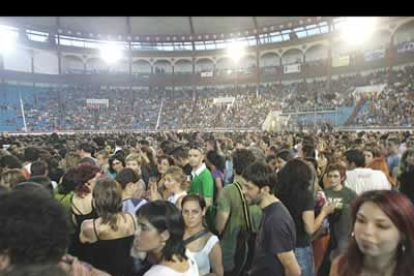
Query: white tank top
x=202, y=257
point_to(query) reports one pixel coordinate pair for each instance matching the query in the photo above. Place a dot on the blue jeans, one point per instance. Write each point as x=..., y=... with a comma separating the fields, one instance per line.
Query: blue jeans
x=304, y=255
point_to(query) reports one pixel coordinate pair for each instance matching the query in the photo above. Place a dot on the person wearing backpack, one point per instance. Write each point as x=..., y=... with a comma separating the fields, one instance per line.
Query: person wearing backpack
x=274, y=254
x=231, y=220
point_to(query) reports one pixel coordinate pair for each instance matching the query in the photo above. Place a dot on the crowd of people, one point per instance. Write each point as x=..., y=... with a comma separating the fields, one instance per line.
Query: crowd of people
x=199, y=203
x=149, y=109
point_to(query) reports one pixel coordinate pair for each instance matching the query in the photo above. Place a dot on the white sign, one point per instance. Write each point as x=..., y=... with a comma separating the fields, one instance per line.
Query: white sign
x=207, y=74
x=224, y=100
x=96, y=103
x=291, y=68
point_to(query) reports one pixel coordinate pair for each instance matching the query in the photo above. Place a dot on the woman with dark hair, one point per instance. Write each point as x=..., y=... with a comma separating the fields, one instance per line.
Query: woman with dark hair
x=152, y=164
x=294, y=189
x=55, y=172
x=160, y=235
x=406, y=176
x=382, y=241
x=282, y=157
x=66, y=188
x=203, y=244
x=163, y=164
x=112, y=233
x=216, y=163
x=81, y=206
x=116, y=164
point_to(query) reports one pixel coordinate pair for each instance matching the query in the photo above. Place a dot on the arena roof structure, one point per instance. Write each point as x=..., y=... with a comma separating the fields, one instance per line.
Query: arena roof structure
x=193, y=28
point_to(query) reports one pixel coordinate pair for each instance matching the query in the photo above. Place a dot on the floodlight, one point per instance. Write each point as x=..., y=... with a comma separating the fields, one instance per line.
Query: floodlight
x=235, y=51
x=357, y=30
x=111, y=52
x=8, y=40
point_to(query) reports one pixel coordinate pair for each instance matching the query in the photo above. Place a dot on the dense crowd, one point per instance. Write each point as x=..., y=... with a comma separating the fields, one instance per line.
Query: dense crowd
x=157, y=108
x=198, y=203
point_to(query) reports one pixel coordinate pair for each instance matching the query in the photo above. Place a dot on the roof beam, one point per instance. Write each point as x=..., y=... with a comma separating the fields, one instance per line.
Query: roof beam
x=256, y=25
x=128, y=24
x=190, y=20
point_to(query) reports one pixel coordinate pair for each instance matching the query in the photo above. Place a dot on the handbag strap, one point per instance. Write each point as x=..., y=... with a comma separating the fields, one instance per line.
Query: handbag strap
x=195, y=236
x=245, y=207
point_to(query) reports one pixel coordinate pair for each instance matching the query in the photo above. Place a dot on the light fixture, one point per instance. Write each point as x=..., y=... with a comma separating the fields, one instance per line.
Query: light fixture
x=111, y=52
x=8, y=40
x=235, y=51
x=357, y=30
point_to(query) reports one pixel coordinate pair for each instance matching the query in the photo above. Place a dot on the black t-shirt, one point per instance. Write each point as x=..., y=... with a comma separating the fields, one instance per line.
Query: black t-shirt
x=276, y=235
x=341, y=220
x=187, y=169
x=307, y=203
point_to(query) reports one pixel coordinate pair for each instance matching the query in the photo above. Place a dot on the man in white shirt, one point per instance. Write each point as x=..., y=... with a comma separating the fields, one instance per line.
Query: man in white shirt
x=362, y=179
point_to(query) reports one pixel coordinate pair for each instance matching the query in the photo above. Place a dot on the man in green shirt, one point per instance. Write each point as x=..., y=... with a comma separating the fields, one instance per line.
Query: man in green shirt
x=202, y=182
x=230, y=217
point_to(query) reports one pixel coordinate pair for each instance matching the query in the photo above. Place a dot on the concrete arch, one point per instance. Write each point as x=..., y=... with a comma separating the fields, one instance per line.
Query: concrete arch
x=183, y=66
x=162, y=61
x=224, y=63
x=316, y=52
x=317, y=44
x=163, y=66
x=141, y=66
x=269, y=53
x=380, y=38
x=247, y=61
x=269, y=59
x=292, y=55
x=73, y=57
x=72, y=62
x=204, y=58
x=401, y=24
x=283, y=51
x=204, y=64
x=182, y=60
x=96, y=64
x=141, y=59
x=404, y=32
